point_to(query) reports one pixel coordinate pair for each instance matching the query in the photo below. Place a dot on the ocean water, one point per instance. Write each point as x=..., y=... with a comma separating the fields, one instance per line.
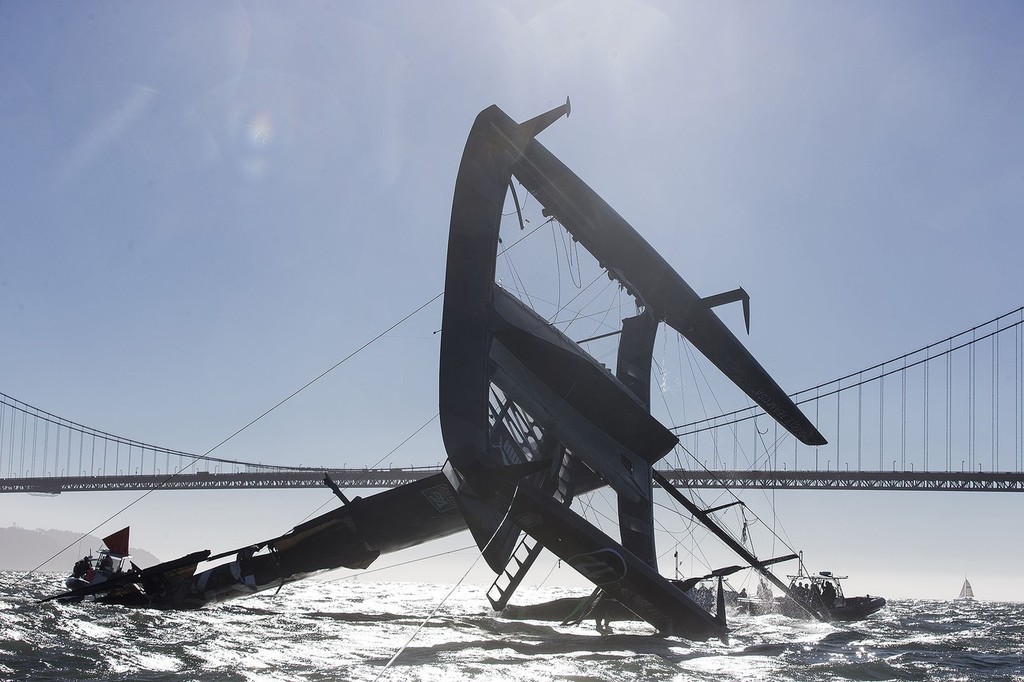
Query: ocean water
x=351, y=629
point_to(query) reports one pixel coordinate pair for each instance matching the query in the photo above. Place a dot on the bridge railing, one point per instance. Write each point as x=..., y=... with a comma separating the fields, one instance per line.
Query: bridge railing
x=391, y=477
x=205, y=480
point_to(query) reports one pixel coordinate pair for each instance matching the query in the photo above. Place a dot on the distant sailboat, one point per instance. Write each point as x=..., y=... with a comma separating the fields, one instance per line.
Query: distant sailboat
x=966, y=592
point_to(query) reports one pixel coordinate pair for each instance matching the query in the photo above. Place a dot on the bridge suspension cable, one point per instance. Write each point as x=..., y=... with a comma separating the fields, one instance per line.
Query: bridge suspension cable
x=36, y=443
x=982, y=402
x=877, y=419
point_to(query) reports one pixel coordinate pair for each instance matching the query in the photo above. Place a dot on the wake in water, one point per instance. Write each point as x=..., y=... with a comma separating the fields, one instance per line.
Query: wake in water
x=350, y=629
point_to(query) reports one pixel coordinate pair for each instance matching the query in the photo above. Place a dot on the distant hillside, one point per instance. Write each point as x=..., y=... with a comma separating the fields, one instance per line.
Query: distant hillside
x=23, y=550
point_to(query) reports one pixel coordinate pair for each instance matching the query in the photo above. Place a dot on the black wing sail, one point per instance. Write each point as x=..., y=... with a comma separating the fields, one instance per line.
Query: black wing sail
x=645, y=274
x=529, y=418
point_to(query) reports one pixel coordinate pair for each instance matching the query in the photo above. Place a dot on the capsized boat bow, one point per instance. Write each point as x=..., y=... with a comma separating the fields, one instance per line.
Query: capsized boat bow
x=352, y=536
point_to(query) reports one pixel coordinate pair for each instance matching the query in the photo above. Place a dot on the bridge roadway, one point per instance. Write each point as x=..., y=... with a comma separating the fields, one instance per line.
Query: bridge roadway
x=390, y=478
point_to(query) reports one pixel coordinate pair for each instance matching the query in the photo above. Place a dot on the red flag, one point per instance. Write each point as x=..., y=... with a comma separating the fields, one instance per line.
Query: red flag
x=117, y=542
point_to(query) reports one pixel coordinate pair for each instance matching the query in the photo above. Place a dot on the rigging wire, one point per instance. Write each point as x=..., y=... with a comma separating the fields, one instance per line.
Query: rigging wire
x=558, y=271
x=776, y=529
x=522, y=239
x=551, y=570
x=517, y=279
x=571, y=249
x=662, y=390
x=368, y=571
x=450, y=593
x=734, y=496
x=688, y=533
x=374, y=465
x=579, y=312
x=599, y=317
x=264, y=414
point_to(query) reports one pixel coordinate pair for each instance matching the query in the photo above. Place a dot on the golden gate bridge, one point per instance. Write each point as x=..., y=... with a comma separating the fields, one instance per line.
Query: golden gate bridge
x=947, y=416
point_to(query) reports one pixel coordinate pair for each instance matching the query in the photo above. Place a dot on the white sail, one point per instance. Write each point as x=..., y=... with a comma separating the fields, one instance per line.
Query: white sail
x=966, y=592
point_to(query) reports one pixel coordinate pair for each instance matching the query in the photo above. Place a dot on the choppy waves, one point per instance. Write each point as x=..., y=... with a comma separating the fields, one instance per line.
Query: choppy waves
x=350, y=630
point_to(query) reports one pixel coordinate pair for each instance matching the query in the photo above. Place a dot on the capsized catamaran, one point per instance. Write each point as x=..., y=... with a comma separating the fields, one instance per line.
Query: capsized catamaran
x=529, y=419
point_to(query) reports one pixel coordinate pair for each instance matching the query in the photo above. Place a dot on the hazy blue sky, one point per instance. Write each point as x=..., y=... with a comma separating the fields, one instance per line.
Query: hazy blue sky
x=205, y=205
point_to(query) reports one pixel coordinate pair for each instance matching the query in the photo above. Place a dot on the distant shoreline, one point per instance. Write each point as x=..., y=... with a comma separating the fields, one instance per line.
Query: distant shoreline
x=24, y=549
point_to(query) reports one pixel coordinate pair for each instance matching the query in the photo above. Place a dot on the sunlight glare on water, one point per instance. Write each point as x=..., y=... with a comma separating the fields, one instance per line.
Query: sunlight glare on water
x=350, y=629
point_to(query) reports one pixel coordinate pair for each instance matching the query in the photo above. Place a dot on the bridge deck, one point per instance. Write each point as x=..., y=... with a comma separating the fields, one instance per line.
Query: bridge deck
x=390, y=478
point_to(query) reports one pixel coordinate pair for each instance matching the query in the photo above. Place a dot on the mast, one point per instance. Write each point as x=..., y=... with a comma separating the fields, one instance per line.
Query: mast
x=755, y=563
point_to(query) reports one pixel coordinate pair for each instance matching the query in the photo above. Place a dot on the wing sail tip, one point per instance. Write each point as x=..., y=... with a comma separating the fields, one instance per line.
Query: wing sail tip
x=804, y=430
x=814, y=438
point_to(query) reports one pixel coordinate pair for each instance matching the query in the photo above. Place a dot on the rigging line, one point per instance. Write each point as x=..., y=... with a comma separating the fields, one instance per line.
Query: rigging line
x=545, y=578
x=682, y=397
x=558, y=270
x=775, y=524
x=354, y=575
x=569, y=248
x=691, y=532
x=700, y=395
x=555, y=233
x=718, y=403
x=579, y=313
x=521, y=239
x=684, y=533
x=603, y=322
x=517, y=279
x=665, y=397
x=325, y=373
x=578, y=294
x=197, y=458
x=769, y=450
x=727, y=491
x=451, y=592
x=55, y=419
x=576, y=253
x=612, y=521
x=696, y=552
x=372, y=466
x=603, y=313
x=687, y=533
